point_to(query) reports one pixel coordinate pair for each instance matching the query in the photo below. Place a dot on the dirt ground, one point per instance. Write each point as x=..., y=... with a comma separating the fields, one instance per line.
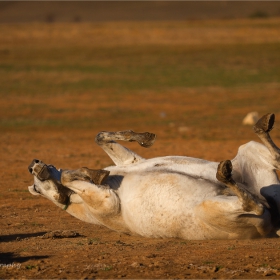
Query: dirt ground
x=59, y=88
x=96, y=252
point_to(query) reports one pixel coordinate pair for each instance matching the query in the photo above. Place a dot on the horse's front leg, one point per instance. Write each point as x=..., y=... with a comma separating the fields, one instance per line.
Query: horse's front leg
x=97, y=195
x=118, y=153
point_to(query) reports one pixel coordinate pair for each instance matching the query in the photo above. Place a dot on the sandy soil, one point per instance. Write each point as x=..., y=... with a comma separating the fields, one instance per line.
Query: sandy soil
x=28, y=250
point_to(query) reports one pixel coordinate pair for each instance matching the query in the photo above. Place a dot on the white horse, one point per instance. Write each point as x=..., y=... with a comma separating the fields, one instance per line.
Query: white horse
x=173, y=196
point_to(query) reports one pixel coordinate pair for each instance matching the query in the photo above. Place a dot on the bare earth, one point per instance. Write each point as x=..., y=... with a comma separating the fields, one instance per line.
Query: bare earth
x=96, y=252
x=43, y=117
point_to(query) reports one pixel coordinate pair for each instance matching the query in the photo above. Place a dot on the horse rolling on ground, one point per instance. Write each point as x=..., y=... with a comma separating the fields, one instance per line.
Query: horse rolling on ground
x=172, y=196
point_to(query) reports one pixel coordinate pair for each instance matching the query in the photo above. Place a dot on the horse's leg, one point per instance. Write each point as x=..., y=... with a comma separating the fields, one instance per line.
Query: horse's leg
x=99, y=197
x=118, y=153
x=255, y=164
x=262, y=129
x=250, y=203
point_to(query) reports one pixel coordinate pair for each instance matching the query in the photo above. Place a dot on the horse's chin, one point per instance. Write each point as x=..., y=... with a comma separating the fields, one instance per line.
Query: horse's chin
x=33, y=190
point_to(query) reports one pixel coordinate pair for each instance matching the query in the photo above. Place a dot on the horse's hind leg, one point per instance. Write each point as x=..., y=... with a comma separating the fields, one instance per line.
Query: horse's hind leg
x=118, y=153
x=262, y=129
x=250, y=203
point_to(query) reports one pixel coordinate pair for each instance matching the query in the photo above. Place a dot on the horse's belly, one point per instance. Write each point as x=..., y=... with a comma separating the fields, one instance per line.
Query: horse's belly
x=163, y=205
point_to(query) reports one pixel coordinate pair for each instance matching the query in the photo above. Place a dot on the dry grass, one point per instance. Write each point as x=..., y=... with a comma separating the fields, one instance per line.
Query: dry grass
x=142, y=75
x=187, y=33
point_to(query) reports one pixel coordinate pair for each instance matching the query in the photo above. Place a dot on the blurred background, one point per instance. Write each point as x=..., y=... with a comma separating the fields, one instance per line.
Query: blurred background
x=188, y=71
x=94, y=11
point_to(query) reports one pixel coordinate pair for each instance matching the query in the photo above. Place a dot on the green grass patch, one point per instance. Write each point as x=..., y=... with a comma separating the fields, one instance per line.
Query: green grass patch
x=140, y=68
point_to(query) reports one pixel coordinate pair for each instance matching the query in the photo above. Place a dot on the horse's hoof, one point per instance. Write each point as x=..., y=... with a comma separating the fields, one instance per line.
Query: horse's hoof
x=224, y=171
x=265, y=123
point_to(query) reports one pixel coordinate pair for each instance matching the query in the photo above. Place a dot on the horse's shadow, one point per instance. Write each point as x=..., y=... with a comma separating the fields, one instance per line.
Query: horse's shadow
x=19, y=236
x=9, y=258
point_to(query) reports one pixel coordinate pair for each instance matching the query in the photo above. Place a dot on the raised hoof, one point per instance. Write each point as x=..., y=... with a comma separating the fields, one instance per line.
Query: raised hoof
x=265, y=123
x=224, y=171
x=145, y=139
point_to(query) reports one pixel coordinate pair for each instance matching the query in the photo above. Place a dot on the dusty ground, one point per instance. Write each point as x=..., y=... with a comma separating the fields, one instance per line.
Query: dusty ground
x=98, y=252
x=61, y=84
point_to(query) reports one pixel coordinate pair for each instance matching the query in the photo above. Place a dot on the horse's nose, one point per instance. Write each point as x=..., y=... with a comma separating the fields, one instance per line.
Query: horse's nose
x=31, y=165
x=39, y=169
